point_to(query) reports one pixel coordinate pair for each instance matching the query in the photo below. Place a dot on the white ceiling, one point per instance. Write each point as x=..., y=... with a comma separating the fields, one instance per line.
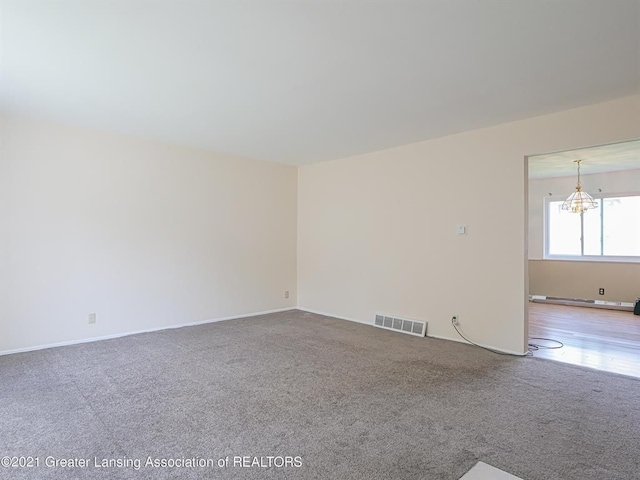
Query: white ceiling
x=311, y=80
x=603, y=158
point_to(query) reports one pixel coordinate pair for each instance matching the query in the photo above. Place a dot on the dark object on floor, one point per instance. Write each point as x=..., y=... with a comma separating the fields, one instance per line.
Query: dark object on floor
x=636, y=309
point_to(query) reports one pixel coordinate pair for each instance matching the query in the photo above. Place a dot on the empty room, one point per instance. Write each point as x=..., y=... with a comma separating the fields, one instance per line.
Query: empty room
x=305, y=239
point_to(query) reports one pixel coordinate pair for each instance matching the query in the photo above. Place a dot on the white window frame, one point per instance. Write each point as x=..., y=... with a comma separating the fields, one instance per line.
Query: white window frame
x=583, y=258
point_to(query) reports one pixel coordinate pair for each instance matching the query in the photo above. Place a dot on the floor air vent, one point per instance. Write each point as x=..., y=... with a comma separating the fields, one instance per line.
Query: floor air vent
x=404, y=325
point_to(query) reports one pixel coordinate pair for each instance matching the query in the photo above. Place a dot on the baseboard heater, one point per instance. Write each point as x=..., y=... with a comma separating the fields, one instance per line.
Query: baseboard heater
x=403, y=325
x=581, y=302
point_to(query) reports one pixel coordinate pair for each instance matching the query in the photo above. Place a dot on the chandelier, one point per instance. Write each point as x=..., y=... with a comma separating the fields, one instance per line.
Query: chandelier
x=579, y=201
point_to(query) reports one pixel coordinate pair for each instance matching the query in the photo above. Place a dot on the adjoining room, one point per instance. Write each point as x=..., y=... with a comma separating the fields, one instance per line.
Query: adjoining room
x=583, y=256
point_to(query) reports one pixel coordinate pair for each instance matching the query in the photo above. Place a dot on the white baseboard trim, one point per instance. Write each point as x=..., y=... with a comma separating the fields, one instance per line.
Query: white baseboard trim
x=461, y=340
x=580, y=302
x=325, y=314
x=222, y=319
x=440, y=337
x=148, y=330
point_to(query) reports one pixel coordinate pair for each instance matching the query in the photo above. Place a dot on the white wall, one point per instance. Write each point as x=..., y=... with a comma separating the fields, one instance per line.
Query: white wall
x=149, y=235
x=376, y=232
x=573, y=279
x=144, y=234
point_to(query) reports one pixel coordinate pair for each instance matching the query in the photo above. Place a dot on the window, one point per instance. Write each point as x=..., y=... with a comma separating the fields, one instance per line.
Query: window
x=609, y=232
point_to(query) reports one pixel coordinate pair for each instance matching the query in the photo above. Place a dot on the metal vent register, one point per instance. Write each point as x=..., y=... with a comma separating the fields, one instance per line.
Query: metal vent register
x=403, y=325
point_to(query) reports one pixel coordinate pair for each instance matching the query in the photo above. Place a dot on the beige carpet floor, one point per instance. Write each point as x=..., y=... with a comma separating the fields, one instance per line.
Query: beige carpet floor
x=306, y=396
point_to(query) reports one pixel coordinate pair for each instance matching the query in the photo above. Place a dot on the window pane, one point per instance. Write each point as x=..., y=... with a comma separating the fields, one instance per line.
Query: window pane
x=591, y=226
x=564, y=231
x=622, y=226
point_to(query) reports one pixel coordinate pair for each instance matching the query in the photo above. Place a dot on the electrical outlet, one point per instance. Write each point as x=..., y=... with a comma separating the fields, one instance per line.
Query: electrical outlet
x=601, y=291
x=286, y=294
x=92, y=318
x=455, y=319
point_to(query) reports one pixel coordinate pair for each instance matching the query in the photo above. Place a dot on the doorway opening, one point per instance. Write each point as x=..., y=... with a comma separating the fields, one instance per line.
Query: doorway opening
x=584, y=264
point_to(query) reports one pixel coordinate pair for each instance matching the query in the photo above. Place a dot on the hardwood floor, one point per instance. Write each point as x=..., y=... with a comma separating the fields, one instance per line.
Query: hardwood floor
x=603, y=339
